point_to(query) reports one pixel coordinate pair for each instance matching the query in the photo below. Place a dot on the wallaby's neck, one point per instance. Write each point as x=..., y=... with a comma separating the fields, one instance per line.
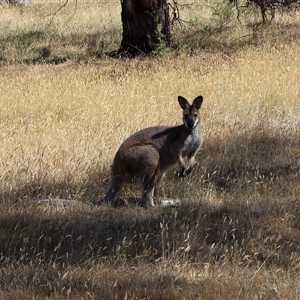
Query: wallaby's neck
x=193, y=132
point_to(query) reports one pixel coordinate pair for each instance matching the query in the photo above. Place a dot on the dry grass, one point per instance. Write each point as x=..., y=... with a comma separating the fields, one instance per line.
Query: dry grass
x=42, y=32
x=236, y=232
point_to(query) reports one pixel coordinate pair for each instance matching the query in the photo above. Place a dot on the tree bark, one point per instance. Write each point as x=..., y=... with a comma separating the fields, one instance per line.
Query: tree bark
x=18, y=2
x=145, y=23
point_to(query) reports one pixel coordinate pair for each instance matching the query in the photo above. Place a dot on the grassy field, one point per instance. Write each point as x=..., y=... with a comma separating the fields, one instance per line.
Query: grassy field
x=66, y=107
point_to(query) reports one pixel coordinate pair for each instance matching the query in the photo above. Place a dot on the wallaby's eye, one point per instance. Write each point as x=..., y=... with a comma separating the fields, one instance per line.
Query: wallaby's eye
x=195, y=115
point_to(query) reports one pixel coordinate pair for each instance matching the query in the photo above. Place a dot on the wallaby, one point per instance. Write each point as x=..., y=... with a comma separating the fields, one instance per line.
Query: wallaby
x=147, y=154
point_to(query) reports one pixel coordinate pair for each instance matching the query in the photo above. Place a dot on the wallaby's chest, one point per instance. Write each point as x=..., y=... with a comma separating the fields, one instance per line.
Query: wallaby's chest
x=190, y=145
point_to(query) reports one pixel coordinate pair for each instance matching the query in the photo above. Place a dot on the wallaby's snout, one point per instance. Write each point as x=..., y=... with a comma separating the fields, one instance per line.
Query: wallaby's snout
x=190, y=124
x=190, y=120
x=149, y=153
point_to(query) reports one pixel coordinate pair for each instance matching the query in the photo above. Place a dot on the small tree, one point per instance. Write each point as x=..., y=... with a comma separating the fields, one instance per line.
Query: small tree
x=269, y=7
x=146, y=23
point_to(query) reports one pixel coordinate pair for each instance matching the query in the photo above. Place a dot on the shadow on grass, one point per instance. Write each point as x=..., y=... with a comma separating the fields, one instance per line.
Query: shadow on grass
x=196, y=230
x=191, y=232
x=259, y=156
x=236, y=162
x=46, y=47
x=49, y=47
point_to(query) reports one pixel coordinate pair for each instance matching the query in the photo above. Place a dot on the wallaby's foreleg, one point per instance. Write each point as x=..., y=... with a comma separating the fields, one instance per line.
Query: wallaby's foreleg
x=190, y=165
x=182, y=166
x=186, y=169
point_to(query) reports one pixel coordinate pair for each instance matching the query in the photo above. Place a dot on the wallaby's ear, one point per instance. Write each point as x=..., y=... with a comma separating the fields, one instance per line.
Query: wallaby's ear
x=197, y=102
x=184, y=104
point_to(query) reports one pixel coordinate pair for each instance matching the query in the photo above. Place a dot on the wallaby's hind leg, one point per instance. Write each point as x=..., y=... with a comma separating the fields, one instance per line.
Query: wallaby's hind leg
x=156, y=189
x=113, y=190
x=136, y=164
x=151, y=190
x=146, y=168
x=148, y=192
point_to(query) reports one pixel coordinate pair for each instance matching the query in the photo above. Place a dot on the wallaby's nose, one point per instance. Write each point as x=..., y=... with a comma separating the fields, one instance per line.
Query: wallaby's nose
x=190, y=124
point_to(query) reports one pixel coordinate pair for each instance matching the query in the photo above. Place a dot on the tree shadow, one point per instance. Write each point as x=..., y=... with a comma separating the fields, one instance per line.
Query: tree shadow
x=48, y=47
x=195, y=228
x=259, y=155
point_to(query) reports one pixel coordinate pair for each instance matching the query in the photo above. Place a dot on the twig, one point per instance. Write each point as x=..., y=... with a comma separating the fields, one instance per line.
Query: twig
x=59, y=9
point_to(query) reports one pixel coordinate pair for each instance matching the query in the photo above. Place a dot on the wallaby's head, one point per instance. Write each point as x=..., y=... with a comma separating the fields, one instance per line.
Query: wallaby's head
x=190, y=112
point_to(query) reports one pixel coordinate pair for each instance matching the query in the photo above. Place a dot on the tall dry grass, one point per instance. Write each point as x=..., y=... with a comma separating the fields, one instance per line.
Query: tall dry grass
x=235, y=234
x=53, y=32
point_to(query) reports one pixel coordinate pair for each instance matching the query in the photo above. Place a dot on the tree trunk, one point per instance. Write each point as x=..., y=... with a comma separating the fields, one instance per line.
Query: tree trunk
x=18, y=2
x=146, y=23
